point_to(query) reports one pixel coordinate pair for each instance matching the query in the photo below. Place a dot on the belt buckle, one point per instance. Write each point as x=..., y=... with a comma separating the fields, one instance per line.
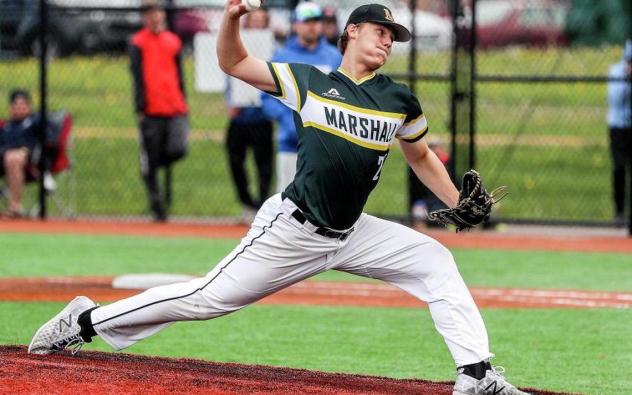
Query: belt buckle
x=333, y=234
x=344, y=235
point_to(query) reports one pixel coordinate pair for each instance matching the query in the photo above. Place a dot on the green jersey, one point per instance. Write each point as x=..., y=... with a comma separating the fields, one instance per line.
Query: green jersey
x=345, y=129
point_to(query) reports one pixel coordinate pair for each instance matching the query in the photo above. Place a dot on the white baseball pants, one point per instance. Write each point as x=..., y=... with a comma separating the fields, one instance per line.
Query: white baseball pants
x=278, y=251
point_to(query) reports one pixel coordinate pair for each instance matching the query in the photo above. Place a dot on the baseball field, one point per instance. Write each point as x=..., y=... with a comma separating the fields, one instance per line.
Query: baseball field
x=557, y=310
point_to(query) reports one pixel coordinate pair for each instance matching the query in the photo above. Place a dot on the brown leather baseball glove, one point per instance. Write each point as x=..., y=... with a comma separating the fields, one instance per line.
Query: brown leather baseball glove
x=474, y=206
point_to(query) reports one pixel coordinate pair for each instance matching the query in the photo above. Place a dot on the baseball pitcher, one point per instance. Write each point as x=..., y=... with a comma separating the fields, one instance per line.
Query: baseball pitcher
x=346, y=122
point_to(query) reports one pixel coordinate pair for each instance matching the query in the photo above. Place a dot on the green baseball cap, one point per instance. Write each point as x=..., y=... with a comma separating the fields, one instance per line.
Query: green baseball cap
x=377, y=13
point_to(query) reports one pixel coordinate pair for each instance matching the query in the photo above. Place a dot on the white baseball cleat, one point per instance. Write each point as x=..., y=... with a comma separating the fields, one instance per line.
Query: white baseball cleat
x=62, y=331
x=492, y=384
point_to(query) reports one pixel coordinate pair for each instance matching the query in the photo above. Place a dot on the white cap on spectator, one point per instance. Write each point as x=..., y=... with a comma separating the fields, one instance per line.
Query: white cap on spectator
x=307, y=11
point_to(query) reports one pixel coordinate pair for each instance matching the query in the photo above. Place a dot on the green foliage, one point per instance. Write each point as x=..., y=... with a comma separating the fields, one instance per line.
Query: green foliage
x=598, y=22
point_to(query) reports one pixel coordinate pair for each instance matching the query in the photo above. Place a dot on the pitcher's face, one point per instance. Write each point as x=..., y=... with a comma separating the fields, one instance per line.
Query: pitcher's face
x=374, y=43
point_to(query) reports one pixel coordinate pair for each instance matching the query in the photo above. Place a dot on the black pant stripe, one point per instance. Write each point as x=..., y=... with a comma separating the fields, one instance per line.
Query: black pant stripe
x=199, y=289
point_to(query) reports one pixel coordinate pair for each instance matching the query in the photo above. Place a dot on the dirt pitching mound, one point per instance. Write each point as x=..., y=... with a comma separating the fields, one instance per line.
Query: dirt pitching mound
x=117, y=373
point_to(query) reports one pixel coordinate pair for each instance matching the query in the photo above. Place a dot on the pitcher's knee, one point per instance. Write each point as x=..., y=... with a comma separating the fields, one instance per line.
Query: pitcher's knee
x=441, y=253
x=437, y=261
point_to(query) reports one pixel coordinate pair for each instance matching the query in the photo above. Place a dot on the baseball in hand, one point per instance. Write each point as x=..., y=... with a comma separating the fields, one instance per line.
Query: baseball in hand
x=251, y=4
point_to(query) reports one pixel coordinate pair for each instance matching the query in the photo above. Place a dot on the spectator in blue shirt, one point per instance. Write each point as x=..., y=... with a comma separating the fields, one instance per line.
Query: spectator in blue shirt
x=620, y=127
x=18, y=139
x=306, y=45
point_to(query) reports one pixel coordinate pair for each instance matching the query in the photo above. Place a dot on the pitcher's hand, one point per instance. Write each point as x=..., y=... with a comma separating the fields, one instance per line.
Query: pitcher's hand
x=234, y=9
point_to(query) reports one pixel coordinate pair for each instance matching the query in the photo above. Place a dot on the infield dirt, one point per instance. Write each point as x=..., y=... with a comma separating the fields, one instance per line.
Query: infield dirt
x=117, y=373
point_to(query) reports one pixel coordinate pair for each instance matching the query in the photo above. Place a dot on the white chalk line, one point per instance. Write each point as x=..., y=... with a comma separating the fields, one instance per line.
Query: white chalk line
x=593, y=299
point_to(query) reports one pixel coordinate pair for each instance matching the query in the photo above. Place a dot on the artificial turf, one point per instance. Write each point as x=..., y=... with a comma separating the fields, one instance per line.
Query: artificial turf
x=22, y=255
x=581, y=351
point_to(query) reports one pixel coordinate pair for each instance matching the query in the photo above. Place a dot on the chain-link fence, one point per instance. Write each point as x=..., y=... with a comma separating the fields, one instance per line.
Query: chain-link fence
x=536, y=83
x=541, y=108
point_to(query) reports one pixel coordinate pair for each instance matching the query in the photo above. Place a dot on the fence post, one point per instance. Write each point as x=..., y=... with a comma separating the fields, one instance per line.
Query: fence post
x=43, y=30
x=629, y=12
x=454, y=6
x=412, y=59
x=461, y=82
x=171, y=14
x=168, y=180
x=413, y=181
x=472, y=88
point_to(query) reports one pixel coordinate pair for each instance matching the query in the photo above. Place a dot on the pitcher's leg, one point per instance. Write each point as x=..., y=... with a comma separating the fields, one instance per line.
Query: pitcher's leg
x=269, y=258
x=129, y=320
x=421, y=266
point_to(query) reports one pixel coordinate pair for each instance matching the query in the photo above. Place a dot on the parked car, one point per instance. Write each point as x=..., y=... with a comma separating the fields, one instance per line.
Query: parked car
x=521, y=22
x=431, y=30
x=203, y=16
x=189, y=22
x=19, y=28
x=195, y=16
x=74, y=26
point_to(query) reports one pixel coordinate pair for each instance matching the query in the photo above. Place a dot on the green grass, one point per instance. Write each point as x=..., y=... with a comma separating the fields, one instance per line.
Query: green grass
x=564, y=350
x=114, y=255
x=539, y=139
x=579, y=351
x=107, y=255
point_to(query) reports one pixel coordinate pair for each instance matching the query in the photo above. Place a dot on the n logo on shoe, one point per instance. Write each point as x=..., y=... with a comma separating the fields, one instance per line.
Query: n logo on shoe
x=63, y=322
x=495, y=390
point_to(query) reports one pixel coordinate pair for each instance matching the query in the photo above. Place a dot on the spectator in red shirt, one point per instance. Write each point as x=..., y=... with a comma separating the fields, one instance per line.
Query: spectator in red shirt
x=160, y=103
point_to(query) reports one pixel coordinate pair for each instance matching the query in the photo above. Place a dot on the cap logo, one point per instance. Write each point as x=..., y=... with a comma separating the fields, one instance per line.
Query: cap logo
x=388, y=15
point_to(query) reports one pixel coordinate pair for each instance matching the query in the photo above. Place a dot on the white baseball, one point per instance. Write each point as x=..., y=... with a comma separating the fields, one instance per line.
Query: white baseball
x=251, y=4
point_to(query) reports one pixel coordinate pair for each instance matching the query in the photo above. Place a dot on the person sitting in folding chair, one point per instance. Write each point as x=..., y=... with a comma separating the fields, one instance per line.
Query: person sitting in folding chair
x=20, y=149
x=18, y=140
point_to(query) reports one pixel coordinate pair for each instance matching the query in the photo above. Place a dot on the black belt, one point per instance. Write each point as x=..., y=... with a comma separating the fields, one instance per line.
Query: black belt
x=334, y=234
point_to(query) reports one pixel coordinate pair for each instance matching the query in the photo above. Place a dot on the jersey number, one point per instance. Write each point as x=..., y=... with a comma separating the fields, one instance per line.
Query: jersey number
x=380, y=164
